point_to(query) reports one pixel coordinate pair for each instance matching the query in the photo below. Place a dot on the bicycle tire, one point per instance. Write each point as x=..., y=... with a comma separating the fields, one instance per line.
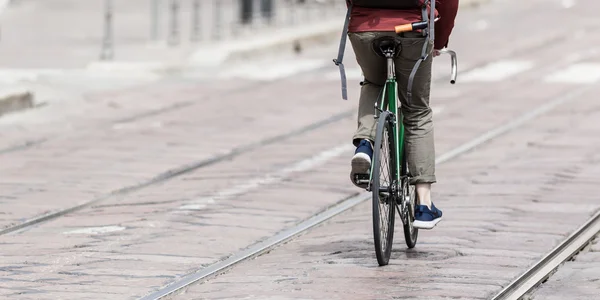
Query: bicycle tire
x=409, y=194
x=384, y=220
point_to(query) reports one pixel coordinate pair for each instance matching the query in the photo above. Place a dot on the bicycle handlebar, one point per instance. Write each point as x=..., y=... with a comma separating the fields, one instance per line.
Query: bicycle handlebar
x=454, y=63
x=422, y=25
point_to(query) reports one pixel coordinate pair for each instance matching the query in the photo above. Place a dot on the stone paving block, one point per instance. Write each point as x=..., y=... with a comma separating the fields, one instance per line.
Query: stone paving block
x=573, y=280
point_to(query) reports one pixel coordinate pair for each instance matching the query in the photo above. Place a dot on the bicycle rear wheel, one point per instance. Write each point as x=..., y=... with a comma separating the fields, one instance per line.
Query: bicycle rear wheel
x=409, y=196
x=384, y=187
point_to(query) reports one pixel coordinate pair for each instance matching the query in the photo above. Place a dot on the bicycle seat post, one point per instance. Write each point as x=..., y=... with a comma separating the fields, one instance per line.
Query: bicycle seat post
x=389, y=55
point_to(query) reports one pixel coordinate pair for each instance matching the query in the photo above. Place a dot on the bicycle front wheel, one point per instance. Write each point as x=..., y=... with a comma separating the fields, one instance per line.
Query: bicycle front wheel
x=384, y=188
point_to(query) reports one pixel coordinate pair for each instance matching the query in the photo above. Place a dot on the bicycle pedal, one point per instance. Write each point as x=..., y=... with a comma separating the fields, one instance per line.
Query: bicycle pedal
x=361, y=178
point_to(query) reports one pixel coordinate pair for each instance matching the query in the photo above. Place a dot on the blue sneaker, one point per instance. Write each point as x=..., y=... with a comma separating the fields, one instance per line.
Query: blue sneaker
x=361, y=164
x=426, y=218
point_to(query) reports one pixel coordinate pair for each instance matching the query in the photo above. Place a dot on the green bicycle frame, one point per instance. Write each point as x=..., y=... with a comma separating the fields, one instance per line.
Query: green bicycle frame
x=389, y=101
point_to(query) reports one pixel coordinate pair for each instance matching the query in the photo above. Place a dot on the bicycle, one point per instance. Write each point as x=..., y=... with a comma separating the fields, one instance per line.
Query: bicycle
x=396, y=194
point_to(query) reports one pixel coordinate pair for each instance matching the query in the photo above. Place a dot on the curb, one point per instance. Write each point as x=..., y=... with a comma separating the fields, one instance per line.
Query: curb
x=13, y=101
x=285, y=40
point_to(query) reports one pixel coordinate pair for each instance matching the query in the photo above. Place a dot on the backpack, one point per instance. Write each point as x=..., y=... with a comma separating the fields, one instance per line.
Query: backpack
x=381, y=4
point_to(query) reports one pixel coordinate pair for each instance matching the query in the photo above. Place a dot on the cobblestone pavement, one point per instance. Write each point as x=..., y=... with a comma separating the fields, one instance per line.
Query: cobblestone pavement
x=504, y=209
x=577, y=280
x=505, y=206
x=504, y=202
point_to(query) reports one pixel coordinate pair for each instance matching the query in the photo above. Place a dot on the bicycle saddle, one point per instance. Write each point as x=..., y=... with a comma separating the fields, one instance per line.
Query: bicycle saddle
x=386, y=43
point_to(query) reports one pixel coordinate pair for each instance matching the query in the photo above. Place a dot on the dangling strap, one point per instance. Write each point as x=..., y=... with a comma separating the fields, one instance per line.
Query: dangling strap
x=338, y=61
x=424, y=56
x=413, y=73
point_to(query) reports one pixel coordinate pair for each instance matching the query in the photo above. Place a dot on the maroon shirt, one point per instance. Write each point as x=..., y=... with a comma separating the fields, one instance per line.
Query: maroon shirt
x=371, y=19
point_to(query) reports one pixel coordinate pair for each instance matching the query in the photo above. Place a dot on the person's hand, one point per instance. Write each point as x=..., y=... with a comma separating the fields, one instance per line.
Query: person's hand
x=436, y=52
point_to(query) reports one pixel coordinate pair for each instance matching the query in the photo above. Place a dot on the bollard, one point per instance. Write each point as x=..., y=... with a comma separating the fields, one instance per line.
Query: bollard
x=266, y=7
x=307, y=7
x=196, y=21
x=246, y=11
x=238, y=22
x=292, y=11
x=107, y=52
x=154, y=19
x=217, y=22
x=253, y=15
x=174, y=32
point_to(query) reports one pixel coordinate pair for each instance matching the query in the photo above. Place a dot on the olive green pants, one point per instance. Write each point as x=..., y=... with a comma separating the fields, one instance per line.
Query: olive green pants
x=417, y=114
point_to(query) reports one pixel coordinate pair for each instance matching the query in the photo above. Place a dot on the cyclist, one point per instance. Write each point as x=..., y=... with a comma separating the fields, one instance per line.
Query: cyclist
x=366, y=25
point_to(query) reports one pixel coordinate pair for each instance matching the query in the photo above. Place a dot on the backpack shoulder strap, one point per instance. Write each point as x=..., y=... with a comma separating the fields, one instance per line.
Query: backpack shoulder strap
x=338, y=61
